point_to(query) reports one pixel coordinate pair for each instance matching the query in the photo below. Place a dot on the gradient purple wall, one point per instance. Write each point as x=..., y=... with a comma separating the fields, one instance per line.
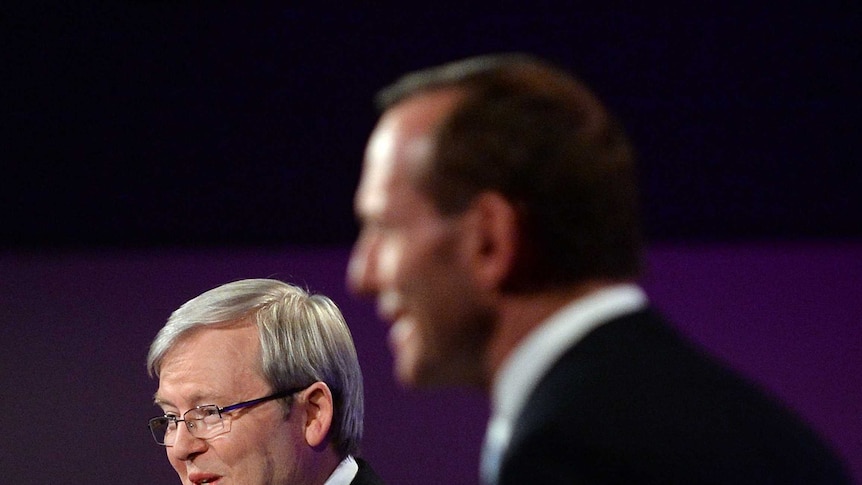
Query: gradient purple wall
x=75, y=396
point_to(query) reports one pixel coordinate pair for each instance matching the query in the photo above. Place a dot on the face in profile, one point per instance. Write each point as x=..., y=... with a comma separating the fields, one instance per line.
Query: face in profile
x=410, y=257
x=220, y=366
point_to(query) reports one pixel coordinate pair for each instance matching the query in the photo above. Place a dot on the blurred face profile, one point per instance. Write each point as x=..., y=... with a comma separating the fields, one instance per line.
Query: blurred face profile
x=409, y=256
x=221, y=366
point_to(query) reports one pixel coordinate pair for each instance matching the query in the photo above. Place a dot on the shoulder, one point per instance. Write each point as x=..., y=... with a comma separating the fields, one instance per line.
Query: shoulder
x=366, y=475
x=636, y=384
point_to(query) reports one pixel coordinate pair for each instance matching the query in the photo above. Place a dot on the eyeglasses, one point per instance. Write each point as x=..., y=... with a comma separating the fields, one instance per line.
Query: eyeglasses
x=205, y=421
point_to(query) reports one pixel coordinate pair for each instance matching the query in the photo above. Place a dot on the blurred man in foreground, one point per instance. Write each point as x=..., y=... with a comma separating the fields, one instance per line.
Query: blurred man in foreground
x=500, y=238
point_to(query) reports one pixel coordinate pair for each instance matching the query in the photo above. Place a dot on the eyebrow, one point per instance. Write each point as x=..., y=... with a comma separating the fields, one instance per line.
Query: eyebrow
x=159, y=401
x=197, y=398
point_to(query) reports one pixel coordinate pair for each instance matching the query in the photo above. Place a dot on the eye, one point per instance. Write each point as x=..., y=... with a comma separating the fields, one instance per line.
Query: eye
x=166, y=423
x=203, y=413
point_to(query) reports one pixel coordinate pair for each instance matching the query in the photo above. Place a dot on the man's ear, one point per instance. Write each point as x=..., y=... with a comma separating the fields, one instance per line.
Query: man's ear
x=494, y=236
x=319, y=409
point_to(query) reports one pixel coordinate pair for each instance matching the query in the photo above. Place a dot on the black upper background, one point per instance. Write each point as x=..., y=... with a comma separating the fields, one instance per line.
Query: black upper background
x=142, y=124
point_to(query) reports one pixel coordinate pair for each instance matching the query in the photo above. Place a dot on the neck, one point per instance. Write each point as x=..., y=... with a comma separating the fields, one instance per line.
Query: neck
x=320, y=466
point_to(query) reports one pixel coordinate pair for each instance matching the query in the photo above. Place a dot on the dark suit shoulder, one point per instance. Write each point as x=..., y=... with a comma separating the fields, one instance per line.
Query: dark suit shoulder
x=366, y=475
x=636, y=399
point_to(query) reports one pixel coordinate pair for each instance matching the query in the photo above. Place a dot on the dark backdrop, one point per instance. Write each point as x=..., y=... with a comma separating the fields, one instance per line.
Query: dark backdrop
x=178, y=124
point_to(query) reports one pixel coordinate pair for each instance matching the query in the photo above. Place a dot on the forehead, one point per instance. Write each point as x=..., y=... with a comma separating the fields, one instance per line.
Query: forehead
x=400, y=148
x=212, y=364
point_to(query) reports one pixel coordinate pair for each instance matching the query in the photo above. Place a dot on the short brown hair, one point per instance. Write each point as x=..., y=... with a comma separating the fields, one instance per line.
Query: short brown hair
x=536, y=135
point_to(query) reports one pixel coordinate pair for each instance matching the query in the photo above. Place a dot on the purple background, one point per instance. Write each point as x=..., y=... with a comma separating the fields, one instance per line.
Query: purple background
x=75, y=396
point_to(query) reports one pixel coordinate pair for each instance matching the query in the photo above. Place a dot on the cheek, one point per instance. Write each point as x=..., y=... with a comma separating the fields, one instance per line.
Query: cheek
x=266, y=448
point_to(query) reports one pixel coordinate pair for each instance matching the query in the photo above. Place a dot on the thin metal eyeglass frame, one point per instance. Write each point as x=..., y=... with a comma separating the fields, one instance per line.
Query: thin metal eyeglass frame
x=226, y=409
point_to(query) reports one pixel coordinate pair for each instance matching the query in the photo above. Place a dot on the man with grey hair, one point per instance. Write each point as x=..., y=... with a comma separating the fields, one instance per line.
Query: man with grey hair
x=265, y=379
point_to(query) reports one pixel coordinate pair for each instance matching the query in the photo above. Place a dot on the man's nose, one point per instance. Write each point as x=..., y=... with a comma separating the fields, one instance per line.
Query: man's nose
x=186, y=445
x=362, y=268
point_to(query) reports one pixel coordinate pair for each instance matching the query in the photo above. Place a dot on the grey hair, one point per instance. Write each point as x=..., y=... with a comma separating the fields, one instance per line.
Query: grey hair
x=303, y=338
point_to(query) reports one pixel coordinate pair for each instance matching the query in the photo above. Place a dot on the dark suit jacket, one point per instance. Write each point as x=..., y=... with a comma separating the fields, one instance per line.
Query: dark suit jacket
x=365, y=475
x=633, y=403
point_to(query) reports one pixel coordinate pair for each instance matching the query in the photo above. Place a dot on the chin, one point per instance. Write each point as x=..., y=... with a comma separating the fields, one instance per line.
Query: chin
x=426, y=376
x=410, y=374
x=407, y=375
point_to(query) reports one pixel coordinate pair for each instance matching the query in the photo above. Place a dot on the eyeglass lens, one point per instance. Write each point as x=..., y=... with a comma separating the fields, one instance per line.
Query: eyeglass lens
x=202, y=422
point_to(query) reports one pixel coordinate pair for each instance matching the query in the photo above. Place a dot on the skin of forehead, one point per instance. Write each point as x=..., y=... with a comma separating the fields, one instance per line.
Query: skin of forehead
x=207, y=367
x=399, y=148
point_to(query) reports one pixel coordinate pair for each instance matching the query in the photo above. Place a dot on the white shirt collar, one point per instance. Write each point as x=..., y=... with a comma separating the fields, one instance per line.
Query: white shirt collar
x=344, y=473
x=537, y=353
x=523, y=369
